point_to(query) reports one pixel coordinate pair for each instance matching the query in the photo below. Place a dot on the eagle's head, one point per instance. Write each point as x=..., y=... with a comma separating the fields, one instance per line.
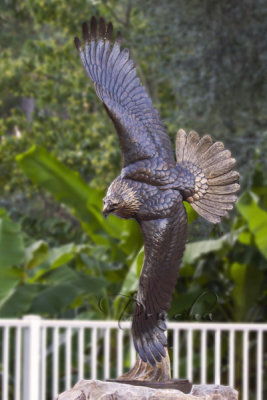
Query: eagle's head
x=121, y=199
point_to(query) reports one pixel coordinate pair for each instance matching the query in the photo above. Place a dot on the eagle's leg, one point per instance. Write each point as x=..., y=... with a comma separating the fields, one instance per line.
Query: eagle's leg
x=143, y=371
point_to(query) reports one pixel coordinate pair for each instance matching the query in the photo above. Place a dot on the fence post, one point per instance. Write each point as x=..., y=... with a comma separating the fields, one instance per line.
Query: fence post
x=31, y=358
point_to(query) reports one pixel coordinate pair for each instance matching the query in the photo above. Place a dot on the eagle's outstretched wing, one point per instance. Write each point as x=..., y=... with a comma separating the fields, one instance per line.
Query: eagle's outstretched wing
x=164, y=241
x=141, y=133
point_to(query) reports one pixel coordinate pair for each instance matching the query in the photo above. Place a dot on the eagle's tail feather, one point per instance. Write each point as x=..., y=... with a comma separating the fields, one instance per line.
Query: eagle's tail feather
x=211, y=165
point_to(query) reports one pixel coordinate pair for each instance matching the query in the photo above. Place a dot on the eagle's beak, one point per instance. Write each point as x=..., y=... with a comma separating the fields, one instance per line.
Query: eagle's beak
x=105, y=211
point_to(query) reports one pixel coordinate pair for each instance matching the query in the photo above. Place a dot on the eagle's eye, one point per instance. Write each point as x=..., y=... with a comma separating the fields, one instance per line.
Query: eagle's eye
x=111, y=205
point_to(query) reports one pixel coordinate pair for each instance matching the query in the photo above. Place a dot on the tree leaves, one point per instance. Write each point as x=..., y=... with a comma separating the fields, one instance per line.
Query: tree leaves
x=63, y=286
x=12, y=253
x=245, y=293
x=191, y=213
x=36, y=253
x=61, y=255
x=9, y=279
x=196, y=250
x=69, y=188
x=36, y=278
x=11, y=244
x=256, y=218
x=20, y=300
x=54, y=299
x=66, y=185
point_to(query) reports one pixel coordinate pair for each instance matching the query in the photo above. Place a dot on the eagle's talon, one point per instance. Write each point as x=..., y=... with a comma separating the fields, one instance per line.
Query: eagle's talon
x=143, y=371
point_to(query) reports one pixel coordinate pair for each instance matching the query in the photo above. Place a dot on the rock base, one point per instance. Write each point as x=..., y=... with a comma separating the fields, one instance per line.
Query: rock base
x=99, y=390
x=177, y=384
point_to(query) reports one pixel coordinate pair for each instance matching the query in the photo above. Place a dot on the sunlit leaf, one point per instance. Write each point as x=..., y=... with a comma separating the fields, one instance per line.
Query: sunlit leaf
x=61, y=255
x=35, y=254
x=196, y=250
x=257, y=219
x=191, y=213
x=245, y=237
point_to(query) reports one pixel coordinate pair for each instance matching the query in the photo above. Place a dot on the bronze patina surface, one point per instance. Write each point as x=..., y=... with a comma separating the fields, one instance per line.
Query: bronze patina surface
x=152, y=187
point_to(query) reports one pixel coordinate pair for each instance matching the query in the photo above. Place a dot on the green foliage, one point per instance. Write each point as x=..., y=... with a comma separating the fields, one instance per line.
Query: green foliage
x=256, y=219
x=231, y=268
x=45, y=94
x=36, y=278
x=11, y=244
x=35, y=254
x=207, y=74
x=198, y=249
x=69, y=188
x=11, y=253
x=245, y=295
x=9, y=280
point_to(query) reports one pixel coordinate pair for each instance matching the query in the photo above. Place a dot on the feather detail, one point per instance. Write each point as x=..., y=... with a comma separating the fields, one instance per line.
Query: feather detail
x=85, y=31
x=211, y=165
x=77, y=43
x=102, y=29
x=157, y=282
x=126, y=101
x=109, y=31
x=181, y=140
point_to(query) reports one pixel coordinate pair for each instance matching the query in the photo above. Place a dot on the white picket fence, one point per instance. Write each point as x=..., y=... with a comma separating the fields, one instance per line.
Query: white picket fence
x=40, y=358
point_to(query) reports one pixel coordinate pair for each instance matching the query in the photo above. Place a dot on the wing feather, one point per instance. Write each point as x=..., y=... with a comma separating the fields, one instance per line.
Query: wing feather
x=140, y=130
x=164, y=245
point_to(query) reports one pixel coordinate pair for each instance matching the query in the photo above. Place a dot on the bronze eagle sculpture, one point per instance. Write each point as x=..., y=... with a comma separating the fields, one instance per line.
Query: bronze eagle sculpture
x=152, y=187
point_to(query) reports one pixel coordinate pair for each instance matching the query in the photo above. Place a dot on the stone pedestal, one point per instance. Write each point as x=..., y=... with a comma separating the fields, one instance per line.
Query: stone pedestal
x=99, y=390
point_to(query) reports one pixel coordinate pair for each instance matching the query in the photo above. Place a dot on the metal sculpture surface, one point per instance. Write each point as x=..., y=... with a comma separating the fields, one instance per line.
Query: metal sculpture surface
x=152, y=187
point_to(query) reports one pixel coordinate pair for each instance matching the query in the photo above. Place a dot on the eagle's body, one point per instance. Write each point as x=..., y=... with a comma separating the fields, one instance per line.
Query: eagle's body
x=163, y=221
x=152, y=187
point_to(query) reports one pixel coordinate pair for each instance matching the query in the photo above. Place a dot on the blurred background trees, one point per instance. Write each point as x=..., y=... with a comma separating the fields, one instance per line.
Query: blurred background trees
x=204, y=64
